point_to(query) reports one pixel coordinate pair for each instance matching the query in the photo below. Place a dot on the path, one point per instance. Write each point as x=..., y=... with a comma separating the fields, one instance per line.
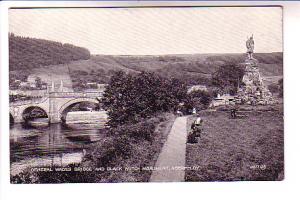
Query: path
x=171, y=161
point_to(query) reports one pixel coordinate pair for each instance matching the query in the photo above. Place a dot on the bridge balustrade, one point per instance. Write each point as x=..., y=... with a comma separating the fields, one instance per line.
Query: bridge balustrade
x=75, y=94
x=31, y=101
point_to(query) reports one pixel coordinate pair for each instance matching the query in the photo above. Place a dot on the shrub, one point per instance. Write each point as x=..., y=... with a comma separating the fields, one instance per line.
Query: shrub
x=110, y=149
x=139, y=130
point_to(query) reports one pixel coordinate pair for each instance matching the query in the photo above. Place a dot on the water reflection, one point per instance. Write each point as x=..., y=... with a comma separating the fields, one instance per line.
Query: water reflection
x=56, y=144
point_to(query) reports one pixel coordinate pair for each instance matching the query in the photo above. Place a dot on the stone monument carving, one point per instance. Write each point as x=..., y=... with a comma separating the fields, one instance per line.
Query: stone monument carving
x=250, y=47
x=252, y=90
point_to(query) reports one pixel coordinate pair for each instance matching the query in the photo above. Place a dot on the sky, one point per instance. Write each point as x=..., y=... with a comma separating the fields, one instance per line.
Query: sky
x=154, y=31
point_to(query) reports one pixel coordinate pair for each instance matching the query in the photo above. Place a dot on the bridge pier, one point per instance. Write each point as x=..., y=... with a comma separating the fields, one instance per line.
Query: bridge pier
x=54, y=118
x=53, y=111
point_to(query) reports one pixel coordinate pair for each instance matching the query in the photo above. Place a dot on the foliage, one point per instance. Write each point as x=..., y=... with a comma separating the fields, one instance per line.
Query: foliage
x=280, y=84
x=198, y=99
x=277, y=88
x=128, y=98
x=121, y=142
x=13, y=77
x=141, y=130
x=29, y=53
x=80, y=78
x=274, y=88
x=227, y=78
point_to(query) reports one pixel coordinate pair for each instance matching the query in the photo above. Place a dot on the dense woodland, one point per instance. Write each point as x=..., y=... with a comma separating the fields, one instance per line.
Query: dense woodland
x=28, y=53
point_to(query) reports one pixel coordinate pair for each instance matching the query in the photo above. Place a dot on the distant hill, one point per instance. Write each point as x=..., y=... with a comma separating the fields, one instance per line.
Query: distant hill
x=39, y=57
x=29, y=53
x=271, y=64
x=194, y=69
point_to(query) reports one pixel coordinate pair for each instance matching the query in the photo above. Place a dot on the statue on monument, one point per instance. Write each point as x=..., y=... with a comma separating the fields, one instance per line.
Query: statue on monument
x=250, y=47
x=253, y=91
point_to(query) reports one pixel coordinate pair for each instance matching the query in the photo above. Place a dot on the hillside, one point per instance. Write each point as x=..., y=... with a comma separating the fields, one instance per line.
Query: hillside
x=194, y=69
x=54, y=61
x=29, y=53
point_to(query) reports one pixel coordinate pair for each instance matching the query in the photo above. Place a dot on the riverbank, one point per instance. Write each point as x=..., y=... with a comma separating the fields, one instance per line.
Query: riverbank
x=124, y=155
x=246, y=148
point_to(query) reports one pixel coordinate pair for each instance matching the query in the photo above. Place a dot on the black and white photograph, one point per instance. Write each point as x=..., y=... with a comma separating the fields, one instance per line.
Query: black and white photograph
x=146, y=94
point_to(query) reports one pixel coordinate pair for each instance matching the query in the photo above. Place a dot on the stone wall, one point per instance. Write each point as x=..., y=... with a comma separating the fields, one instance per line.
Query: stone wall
x=87, y=117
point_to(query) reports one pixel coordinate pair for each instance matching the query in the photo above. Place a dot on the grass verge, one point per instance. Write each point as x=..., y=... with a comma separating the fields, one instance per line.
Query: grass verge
x=246, y=148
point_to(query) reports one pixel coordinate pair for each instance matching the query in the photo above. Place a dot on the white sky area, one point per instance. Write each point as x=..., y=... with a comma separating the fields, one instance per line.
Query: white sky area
x=154, y=31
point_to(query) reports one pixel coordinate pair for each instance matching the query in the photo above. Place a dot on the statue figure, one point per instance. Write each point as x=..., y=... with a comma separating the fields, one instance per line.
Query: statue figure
x=250, y=47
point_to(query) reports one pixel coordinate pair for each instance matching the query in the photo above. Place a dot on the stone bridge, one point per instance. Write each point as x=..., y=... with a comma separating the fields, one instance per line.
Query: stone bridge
x=55, y=104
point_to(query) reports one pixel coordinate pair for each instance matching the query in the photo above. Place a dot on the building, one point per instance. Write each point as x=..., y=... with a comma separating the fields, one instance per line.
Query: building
x=225, y=99
x=101, y=86
x=31, y=79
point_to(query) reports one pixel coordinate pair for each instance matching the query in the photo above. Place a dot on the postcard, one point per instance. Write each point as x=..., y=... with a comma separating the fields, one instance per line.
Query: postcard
x=146, y=94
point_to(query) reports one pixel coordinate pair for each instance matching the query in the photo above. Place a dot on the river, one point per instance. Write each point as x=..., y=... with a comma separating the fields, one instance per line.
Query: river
x=56, y=144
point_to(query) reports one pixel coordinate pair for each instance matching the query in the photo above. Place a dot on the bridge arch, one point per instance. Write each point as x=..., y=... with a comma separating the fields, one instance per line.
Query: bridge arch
x=67, y=107
x=32, y=112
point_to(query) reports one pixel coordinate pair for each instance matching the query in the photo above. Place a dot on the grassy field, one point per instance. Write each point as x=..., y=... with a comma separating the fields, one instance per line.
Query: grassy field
x=248, y=148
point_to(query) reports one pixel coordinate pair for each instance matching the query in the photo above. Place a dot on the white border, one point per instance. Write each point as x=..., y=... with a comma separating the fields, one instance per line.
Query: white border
x=220, y=190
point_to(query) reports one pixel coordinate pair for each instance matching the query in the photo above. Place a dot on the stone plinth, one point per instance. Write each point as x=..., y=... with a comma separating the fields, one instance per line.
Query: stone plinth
x=253, y=90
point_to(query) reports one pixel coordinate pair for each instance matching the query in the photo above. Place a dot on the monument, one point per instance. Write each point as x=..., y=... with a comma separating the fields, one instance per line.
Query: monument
x=252, y=90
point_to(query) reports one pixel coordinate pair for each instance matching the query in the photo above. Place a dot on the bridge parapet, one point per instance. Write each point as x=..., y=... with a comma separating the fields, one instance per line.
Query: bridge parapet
x=75, y=94
x=26, y=102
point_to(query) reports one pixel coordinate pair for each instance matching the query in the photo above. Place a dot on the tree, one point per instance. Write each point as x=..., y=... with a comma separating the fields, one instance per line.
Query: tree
x=198, y=99
x=129, y=98
x=228, y=77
